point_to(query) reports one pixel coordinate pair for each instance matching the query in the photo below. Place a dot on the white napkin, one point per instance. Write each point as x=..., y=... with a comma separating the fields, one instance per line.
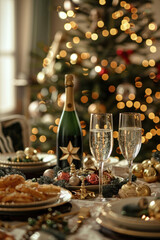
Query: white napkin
x=121, y=168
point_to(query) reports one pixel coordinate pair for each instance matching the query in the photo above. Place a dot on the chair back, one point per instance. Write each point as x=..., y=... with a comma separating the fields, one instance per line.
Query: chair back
x=14, y=133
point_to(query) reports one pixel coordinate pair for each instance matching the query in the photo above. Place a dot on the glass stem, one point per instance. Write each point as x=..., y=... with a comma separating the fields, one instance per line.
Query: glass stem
x=130, y=170
x=101, y=163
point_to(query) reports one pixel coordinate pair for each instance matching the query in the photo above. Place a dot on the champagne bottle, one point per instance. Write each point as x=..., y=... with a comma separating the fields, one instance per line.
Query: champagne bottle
x=69, y=146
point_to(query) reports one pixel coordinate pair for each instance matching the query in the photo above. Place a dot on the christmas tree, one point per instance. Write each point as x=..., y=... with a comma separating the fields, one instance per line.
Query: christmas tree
x=111, y=47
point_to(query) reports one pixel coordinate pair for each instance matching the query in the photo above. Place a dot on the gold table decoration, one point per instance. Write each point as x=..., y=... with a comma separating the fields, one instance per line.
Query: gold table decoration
x=134, y=190
x=83, y=193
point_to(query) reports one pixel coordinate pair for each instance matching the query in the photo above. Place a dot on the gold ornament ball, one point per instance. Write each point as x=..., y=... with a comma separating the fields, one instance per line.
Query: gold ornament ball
x=150, y=175
x=157, y=167
x=29, y=151
x=154, y=209
x=154, y=161
x=143, y=190
x=35, y=158
x=146, y=163
x=49, y=173
x=128, y=190
x=20, y=154
x=137, y=170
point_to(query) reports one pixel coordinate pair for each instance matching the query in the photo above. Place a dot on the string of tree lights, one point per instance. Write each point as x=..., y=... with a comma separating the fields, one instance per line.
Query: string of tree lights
x=111, y=47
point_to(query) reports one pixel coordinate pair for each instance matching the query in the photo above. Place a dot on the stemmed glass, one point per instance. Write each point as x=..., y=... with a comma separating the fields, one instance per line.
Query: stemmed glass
x=130, y=137
x=101, y=142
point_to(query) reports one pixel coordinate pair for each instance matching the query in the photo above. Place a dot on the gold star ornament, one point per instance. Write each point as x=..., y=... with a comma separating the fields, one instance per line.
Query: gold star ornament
x=69, y=153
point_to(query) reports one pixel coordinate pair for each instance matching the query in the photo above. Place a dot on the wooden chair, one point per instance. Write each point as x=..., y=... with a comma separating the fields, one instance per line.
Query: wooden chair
x=14, y=133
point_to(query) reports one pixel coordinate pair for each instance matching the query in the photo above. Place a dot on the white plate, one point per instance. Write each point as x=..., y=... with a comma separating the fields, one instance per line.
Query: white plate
x=111, y=161
x=49, y=160
x=112, y=212
x=122, y=230
x=30, y=204
x=46, y=158
x=65, y=196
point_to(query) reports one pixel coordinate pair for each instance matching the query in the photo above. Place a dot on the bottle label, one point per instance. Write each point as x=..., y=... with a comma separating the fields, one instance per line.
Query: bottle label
x=69, y=153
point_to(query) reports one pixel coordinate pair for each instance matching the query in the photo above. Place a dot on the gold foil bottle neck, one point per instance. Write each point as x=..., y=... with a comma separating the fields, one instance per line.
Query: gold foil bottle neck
x=69, y=80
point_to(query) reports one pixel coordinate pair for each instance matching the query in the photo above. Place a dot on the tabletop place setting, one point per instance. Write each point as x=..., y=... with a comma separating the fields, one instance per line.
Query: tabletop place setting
x=79, y=120
x=74, y=193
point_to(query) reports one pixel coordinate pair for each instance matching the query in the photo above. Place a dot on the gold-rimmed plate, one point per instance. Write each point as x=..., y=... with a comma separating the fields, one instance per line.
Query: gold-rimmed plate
x=112, y=212
x=29, y=170
x=44, y=158
x=30, y=204
x=64, y=197
x=107, y=224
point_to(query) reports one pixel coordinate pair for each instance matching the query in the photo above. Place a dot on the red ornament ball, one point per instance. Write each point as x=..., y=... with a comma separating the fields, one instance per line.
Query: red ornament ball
x=63, y=176
x=93, y=179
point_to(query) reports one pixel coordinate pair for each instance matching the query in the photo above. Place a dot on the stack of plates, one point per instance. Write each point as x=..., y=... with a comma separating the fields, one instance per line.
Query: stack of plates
x=23, y=208
x=48, y=160
x=112, y=219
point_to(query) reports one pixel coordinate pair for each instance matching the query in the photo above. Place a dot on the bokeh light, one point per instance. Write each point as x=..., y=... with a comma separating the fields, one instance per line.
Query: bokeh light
x=42, y=138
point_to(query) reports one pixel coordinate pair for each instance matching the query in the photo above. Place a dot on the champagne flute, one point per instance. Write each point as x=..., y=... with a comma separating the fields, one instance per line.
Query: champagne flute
x=101, y=142
x=130, y=137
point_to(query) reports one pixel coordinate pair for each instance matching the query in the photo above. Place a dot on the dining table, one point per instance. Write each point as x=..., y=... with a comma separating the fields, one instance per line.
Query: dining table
x=80, y=229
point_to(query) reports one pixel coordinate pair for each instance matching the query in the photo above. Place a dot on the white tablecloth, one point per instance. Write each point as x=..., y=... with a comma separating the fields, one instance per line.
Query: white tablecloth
x=89, y=229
